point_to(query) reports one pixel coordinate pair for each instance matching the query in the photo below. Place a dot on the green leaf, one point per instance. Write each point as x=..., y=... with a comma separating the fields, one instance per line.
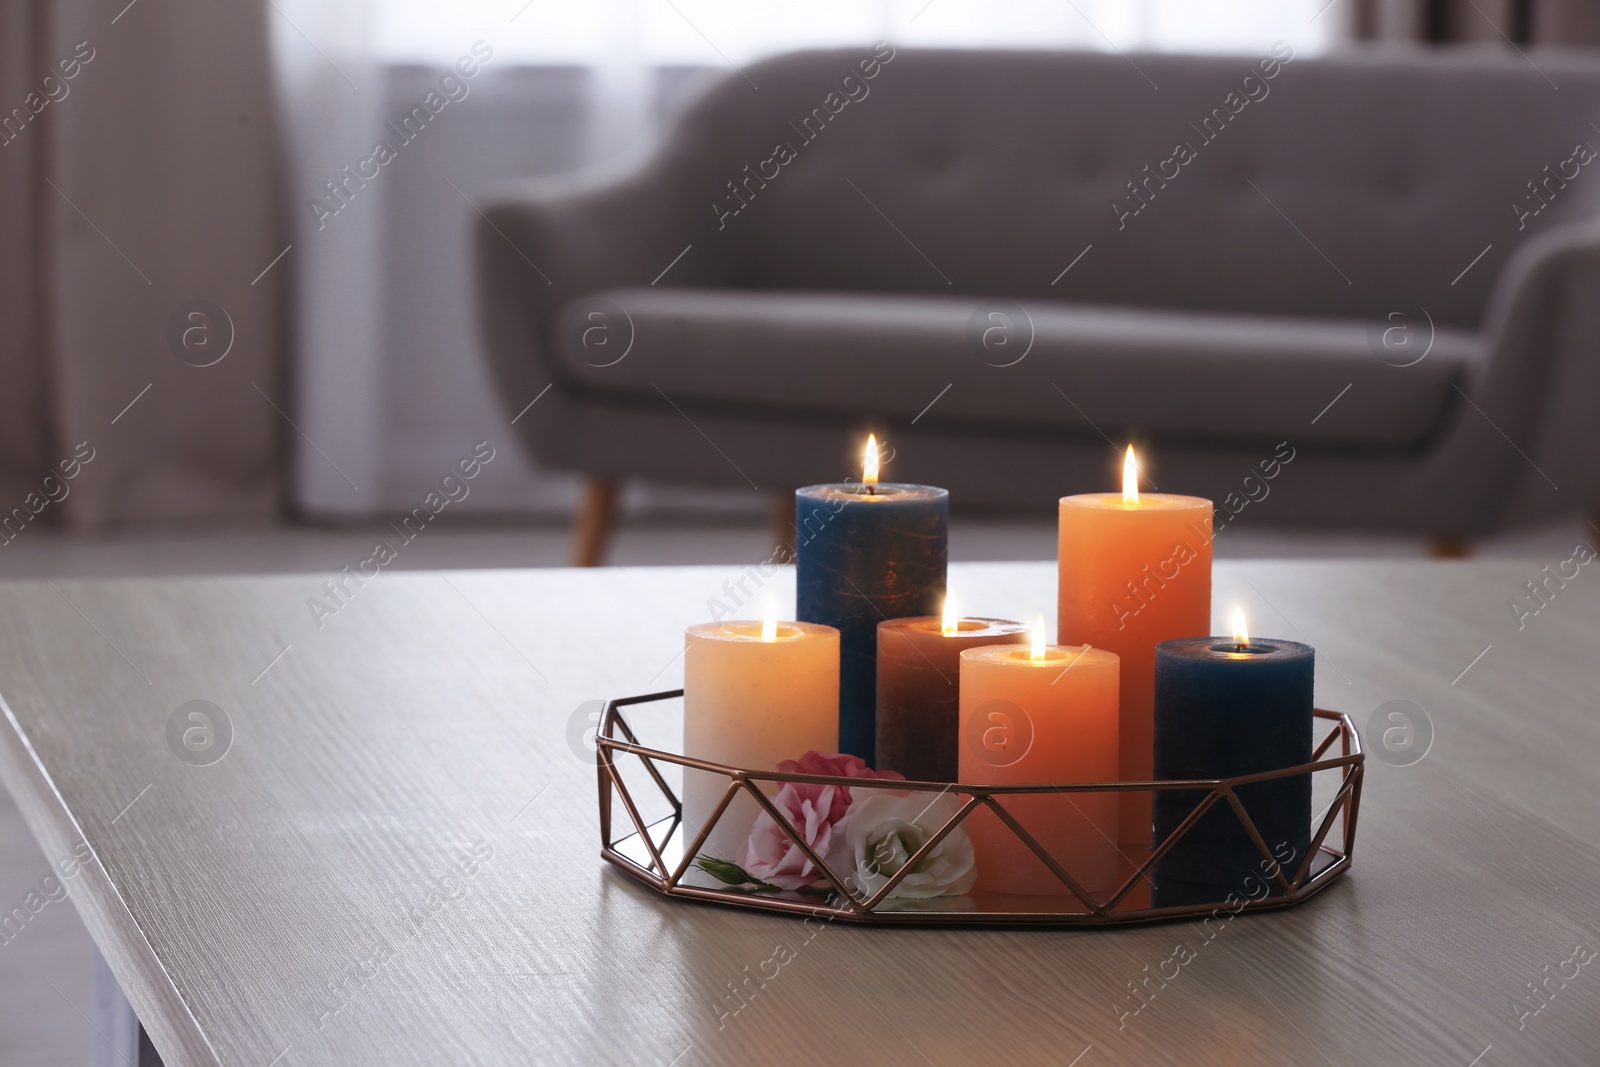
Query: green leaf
x=731, y=873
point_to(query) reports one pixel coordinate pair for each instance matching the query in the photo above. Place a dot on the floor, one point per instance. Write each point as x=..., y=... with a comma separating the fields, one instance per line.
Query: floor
x=45, y=958
x=279, y=549
x=45, y=997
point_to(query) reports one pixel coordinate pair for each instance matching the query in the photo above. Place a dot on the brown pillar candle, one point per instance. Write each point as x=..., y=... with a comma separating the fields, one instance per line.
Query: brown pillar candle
x=919, y=692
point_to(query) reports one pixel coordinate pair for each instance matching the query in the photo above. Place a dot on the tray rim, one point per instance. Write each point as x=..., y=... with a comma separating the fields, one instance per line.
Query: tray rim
x=1304, y=884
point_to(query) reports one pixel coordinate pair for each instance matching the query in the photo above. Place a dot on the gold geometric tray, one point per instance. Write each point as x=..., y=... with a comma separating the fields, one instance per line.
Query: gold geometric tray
x=650, y=843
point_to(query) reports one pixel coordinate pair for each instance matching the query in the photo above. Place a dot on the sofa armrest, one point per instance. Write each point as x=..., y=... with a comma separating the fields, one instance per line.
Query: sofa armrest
x=1541, y=385
x=544, y=243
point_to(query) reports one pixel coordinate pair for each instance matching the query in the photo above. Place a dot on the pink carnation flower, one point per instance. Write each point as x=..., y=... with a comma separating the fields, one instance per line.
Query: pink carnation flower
x=814, y=811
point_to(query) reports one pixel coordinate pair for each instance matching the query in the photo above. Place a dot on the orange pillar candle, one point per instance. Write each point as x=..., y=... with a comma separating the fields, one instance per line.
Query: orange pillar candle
x=754, y=693
x=919, y=662
x=1135, y=570
x=1043, y=715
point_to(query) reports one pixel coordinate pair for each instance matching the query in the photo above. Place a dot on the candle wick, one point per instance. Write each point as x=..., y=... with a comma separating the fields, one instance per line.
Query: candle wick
x=872, y=490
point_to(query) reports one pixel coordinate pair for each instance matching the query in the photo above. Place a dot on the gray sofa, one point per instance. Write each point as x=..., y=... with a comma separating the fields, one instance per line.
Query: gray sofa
x=1384, y=265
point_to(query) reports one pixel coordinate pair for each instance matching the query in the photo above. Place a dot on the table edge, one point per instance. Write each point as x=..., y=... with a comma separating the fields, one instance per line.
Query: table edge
x=156, y=1001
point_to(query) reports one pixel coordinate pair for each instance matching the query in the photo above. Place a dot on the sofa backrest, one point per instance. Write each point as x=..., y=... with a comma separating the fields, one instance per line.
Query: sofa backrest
x=1341, y=186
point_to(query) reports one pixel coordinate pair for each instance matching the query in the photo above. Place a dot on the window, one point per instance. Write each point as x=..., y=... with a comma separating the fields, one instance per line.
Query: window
x=711, y=32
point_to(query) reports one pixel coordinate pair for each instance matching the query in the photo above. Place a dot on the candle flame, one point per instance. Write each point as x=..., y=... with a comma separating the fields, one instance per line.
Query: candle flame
x=1038, y=639
x=951, y=623
x=869, y=461
x=769, y=622
x=1241, y=636
x=1130, y=478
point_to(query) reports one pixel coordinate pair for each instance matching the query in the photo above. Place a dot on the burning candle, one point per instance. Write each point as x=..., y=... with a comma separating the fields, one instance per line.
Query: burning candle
x=1041, y=714
x=919, y=663
x=1226, y=707
x=1135, y=570
x=754, y=693
x=864, y=553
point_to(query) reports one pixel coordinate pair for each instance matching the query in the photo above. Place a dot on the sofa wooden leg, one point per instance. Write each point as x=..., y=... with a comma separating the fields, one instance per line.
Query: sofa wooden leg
x=1449, y=548
x=783, y=527
x=593, y=525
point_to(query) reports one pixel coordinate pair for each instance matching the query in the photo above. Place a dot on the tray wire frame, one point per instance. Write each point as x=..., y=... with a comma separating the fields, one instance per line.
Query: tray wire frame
x=616, y=738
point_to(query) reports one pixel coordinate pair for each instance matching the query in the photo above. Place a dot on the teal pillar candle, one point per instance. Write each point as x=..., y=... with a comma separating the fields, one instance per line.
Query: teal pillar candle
x=863, y=554
x=1222, y=710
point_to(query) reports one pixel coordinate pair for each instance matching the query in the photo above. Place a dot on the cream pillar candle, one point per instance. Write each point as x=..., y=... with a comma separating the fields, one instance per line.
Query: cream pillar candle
x=754, y=693
x=1042, y=715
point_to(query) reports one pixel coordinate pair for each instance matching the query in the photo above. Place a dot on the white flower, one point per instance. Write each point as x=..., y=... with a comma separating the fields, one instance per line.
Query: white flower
x=886, y=829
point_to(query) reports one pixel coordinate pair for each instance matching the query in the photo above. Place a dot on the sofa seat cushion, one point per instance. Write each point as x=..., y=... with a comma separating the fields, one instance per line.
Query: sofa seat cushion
x=1196, y=375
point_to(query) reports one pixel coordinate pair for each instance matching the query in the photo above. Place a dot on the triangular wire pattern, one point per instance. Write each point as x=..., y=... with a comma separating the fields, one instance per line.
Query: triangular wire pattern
x=616, y=738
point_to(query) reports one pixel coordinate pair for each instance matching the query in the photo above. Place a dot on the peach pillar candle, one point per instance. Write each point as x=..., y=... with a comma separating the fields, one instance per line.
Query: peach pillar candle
x=1042, y=715
x=919, y=663
x=754, y=693
x=1134, y=570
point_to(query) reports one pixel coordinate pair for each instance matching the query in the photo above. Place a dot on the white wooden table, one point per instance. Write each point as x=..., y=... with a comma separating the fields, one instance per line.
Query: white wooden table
x=395, y=862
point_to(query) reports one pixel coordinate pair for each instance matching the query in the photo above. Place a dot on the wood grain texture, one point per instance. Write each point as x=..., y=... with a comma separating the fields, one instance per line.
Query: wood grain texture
x=430, y=716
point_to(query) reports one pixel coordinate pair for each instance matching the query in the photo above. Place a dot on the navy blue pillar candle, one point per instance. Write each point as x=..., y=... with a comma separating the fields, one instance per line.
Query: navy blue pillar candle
x=865, y=553
x=1227, y=707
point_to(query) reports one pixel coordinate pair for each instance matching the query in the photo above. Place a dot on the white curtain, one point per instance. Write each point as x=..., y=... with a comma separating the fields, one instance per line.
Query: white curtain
x=392, y=385
x=331, y=87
